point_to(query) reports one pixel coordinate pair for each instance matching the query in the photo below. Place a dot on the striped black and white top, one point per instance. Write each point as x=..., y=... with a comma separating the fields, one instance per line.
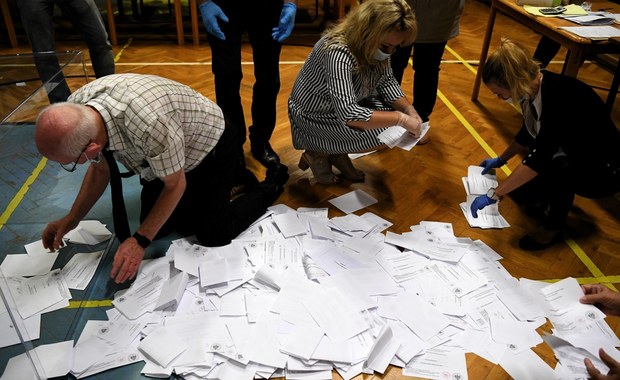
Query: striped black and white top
x=331, y=90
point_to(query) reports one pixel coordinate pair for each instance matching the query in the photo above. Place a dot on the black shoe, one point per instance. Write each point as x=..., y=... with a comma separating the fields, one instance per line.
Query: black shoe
x=277, y=174
x=539, y=239
x=273, y=185
x=244, y=180
x=537, y=210
x=264, y=154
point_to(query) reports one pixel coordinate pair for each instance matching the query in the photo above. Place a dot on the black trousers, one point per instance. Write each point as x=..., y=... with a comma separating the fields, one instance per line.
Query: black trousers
x=561, y=180
x=257, y=18
x=426, y=61
x=205, y=208
x=37, y=19
x=546, y=50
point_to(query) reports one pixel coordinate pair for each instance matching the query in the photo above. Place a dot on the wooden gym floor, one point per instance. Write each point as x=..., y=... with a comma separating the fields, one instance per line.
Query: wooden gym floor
x=425, y=183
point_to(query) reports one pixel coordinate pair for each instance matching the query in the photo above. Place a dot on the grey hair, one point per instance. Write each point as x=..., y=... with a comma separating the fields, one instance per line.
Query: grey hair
x=80, y=123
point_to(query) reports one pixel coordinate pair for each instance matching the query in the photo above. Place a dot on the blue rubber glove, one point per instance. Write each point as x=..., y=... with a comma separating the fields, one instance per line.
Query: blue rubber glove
x=479, y=203
x=287, y=22
x=492, y=163
x=210, y=13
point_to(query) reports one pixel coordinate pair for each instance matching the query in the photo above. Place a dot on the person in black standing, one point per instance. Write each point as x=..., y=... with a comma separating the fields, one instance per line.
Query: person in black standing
x=38, y=21
x=267, y=23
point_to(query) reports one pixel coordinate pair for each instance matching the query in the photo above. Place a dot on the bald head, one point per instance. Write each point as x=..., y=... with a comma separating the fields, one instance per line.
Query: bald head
x=63, y=130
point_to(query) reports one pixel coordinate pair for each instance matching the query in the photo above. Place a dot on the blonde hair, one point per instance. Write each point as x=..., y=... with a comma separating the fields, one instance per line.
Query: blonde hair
x=511, y=67
x=364, y=28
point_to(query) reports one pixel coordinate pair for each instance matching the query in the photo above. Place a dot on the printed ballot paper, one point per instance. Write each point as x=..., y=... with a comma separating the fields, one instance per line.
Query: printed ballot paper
x=477, y=184
x=300, y=295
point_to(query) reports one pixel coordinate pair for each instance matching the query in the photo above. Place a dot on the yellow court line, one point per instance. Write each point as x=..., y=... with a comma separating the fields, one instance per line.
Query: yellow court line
x=605, y=280
x=10, y=208
x=79, y=304
x=581, y=255
x=118, y=55
x=585, y=259
x=460, y=59
x=471, y=129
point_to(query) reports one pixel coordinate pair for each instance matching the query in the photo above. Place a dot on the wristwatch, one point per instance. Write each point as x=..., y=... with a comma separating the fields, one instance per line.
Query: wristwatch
x=142, y=240
x=491, y=194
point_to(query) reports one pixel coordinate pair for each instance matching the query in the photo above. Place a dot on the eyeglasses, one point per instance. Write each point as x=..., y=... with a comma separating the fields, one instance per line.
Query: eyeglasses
x=387, y=49
x=70, y=167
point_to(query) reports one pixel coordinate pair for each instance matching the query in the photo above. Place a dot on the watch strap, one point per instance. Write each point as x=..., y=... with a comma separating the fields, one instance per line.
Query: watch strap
x=491, y=194
x=142, y=240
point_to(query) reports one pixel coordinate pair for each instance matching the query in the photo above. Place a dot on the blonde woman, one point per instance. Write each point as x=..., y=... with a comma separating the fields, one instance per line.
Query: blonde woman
x=570, y=143
x=346, y=94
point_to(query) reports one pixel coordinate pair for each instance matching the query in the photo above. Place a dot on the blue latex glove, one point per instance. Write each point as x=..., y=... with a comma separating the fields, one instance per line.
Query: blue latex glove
x=210, y=13
x=479, y=203
x=492, y=163
x=287, y=22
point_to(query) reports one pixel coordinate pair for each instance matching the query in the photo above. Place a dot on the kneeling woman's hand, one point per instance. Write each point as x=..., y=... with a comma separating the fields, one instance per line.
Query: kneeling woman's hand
x=411, y=123
x=481, y=202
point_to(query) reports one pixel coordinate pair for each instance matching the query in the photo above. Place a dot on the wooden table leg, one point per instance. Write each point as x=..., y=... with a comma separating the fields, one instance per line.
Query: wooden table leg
x=574, y=60
x=485, y=51
x=8, y=21
x=193, y=11
x=179, y=22
x=111, y=22
x=615, y=83
x=339, y=8
x=613, y=89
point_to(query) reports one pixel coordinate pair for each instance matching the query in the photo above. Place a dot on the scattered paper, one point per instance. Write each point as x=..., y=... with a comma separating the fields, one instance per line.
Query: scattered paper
x=26, y=265
x=353, y=201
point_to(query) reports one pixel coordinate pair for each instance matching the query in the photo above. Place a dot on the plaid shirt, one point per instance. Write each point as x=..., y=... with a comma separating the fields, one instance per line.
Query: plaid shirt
x=155, y=126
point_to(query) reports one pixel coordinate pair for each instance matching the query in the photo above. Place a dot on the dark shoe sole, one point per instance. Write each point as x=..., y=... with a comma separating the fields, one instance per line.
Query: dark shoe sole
x=527, y=243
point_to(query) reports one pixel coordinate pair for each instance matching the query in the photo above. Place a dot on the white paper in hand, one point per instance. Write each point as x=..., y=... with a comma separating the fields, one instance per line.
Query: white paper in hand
x=399, y=137
x=89, y=232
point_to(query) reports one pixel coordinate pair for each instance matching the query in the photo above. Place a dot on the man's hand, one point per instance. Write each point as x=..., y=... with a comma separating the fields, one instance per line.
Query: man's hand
x=211, y=12
x=127, y=261
x=492, y=163
x=479, y=203
x=287, y=22
x=602, y=297
x=55, y=231
x=614, y=367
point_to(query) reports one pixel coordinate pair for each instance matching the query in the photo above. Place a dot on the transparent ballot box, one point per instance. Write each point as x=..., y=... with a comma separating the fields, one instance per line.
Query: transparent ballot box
x=22, y=93
x=30, y=197
x=31, y=339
